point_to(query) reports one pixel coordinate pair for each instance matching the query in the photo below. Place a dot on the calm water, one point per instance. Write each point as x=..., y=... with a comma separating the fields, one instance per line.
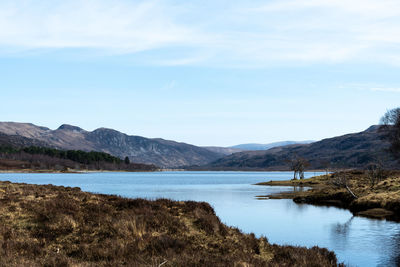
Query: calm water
x=356, y=241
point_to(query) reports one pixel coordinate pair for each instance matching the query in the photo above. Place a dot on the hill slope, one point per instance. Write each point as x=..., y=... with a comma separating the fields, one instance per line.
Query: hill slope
x=139, y=149
x=223, y=150
x=348, y=151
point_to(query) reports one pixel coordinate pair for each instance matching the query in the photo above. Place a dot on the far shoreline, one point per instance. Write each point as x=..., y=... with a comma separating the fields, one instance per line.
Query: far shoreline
x=157, y=170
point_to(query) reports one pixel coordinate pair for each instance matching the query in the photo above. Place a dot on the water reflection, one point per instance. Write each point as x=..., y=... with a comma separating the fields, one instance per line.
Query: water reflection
x=300, y=188
x=340, y=232
x=342, y=229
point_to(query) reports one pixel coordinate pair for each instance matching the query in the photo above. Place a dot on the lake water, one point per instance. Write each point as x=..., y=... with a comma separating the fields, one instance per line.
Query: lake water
x=356, y=241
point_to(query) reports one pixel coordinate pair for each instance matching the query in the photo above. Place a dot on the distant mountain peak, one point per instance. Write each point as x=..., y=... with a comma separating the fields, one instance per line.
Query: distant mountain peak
x=104, y=129
x=69, y=127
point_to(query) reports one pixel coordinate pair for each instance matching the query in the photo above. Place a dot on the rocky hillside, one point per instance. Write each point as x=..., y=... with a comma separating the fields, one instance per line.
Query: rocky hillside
x=19, y=141
x=348, y=151
x=139, y=149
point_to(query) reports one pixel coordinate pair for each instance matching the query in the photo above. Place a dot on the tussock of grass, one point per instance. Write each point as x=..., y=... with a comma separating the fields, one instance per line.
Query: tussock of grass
x=62, y=226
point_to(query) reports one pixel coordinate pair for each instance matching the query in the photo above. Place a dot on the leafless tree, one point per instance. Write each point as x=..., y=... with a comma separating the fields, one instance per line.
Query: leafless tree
x=298, y=166
x=293, y=167
x=390, y=127
x=375, y=173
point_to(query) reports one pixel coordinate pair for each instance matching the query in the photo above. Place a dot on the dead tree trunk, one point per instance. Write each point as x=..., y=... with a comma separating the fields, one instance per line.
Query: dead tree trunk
x=340, y=180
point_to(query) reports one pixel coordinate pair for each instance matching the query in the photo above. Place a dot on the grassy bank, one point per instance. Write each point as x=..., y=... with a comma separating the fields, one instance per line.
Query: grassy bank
x=60, y=226
x=379, y=200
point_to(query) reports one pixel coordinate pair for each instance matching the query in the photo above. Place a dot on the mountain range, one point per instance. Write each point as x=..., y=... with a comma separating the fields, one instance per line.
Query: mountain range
x=163, y=153
x=356, y=150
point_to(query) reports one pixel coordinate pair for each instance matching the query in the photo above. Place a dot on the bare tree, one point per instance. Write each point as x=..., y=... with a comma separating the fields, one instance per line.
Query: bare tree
x=293, y=167
x=298, y=166
x=390, y=127
x=375, y=173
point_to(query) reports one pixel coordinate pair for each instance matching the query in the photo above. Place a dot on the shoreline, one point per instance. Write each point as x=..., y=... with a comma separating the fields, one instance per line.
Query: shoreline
x=157, y=170
x=379, y=202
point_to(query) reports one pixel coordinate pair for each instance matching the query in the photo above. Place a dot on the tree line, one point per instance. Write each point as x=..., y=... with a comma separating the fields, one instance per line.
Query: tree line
x=51, y=158
x=74, y=155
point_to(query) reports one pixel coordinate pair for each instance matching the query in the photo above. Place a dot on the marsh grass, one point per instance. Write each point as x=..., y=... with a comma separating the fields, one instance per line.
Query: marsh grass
x=62, y=226
x=374, y=200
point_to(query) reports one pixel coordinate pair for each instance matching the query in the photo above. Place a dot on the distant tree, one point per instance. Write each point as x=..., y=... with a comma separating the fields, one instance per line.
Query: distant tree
x=375, y=173
x=126, y=160
x=390, y=127
x=293, y=167
x=298, y=166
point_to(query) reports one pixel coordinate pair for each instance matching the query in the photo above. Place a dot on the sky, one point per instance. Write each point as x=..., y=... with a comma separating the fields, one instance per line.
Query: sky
x=204, y=72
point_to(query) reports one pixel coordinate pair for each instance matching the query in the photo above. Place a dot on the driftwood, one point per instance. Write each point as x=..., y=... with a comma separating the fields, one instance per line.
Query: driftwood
x=340, y=180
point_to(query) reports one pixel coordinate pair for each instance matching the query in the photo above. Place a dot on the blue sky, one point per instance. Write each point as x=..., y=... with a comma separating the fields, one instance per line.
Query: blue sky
x=202, y=72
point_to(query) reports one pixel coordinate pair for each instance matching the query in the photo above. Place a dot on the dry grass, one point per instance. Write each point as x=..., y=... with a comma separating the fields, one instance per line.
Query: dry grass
x=62, y=226
x=314, y=181
x=380, y=200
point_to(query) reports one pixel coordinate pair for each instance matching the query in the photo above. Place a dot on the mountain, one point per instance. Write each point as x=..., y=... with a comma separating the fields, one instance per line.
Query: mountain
x=19, y=141
x=355, y=150
x=249, y=147
x=160, y=152
x=223, y=150
x=252, y=147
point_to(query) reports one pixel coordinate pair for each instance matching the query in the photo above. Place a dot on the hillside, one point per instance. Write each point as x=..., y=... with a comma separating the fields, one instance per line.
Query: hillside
x=160, y=152
x=348, y=151
x=223, y=150
x=45, y=225
x=19, y=141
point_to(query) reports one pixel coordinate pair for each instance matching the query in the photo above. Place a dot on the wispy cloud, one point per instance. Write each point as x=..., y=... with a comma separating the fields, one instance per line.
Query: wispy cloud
x=122, y=26
x=233, y=33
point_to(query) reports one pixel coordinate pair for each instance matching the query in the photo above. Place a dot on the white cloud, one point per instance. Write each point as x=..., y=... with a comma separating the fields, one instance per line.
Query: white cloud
x=235, y=33
x=117, y=25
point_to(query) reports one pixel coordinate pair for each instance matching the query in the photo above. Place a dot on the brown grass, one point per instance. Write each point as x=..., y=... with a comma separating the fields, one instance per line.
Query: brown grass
x=381, y=200
x=62, y=226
